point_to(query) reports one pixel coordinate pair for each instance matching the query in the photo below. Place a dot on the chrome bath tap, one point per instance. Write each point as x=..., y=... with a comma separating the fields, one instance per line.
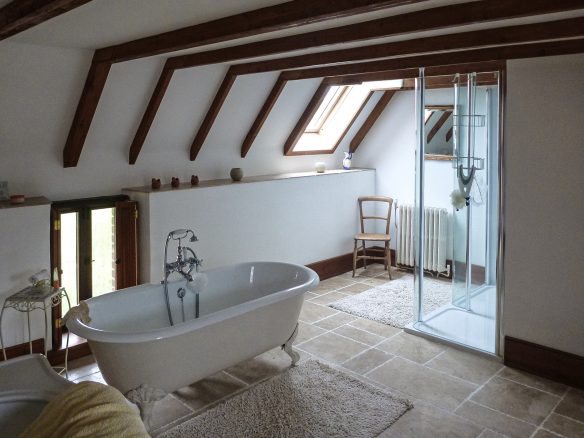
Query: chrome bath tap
x=186, y=261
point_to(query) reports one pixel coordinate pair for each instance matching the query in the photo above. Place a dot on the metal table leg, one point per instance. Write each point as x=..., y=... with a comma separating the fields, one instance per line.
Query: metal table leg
x=29, y=333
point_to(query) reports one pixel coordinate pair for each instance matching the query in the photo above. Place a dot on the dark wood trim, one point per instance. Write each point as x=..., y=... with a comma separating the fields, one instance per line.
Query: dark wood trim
x=371, y=119
x=466, y=40
x=544, y=361
x=20, y=15
x=441, y=121
x=344, y=263
x=212, y=114
x=304, y=120
x=55, y=244
x=90, y=96
x=443, y=59
x=268, y=19
x=150, y=113
x=127, y=237
x=449, y=135
x=262, y=115
x=75, y=352
x=38, y=346
x=352, y=122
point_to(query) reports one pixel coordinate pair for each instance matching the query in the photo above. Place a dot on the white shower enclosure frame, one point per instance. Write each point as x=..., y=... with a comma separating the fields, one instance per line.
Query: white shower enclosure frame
x=465, y=120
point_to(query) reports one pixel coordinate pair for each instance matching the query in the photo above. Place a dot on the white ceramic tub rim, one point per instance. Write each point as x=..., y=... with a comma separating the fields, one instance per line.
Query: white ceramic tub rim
x=93, y=334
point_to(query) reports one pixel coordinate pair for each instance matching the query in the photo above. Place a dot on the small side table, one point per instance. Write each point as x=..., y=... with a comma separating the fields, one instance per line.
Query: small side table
x=29, y=299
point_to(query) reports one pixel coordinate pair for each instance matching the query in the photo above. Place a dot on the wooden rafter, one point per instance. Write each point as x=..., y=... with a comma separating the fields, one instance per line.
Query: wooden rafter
x=268, y=19
x=212, y=114
x=449, y=135
x=262, y=115
x=371, y=119
x=441, y=121
x=457, y=57
x=306, y=116
x=435, y=18
x=148, y=117
x=513, y=34
x=85, y=111
x=20, y=15
x=272, y=18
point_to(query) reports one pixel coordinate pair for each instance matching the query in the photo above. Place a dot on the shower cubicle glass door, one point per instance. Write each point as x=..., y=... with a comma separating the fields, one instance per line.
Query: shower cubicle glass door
x=457, y=299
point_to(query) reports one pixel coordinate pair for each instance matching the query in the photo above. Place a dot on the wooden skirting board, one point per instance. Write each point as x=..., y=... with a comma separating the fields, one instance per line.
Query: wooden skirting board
x=38, y=346
x=544, y=361
x=344, y=263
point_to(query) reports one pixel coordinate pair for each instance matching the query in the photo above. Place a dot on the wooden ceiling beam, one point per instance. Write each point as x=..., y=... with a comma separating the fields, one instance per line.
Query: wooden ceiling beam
x=272, y=18
x=268, y=19
x=441, y=121
x=90, y=95
x=151, y=110
x=435, y=18
x=262, y=115
x=19, y=15
x=457, y=57
x=308, y=113
x=560, y=29
x=212, y=114
x=371, y=119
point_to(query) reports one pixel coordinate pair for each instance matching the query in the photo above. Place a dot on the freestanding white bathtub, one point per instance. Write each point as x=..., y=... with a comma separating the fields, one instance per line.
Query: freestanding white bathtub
x=245, y=310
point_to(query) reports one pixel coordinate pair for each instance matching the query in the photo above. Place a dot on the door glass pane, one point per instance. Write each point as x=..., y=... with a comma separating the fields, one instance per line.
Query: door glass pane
x=103, y=251
x=69, y=258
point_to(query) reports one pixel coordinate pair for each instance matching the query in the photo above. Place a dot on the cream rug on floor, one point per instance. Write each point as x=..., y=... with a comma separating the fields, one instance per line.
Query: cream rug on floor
x=310, y=400
x=393, y=302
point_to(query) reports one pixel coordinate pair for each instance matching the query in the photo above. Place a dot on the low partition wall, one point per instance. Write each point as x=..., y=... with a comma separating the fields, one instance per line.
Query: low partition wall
x=298, y=218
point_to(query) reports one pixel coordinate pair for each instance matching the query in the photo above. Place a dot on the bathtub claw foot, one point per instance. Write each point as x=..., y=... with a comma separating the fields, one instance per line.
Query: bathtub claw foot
x=287, y=347
x=145, y=397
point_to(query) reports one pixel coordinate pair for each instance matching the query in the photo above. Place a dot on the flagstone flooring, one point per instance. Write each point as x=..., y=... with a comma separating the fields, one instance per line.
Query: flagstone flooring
x=455, y=393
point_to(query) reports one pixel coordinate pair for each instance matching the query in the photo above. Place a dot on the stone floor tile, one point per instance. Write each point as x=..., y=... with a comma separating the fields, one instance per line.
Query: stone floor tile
x=335, y=283
x=541, y=433
x=333, y=347
x=337, y=320
x=564, y=426
x=375, y=327
x=83, y=366
x=359, y=335
x=572, y=405
x=519, y=401
x=465, y=365
x=428, y=422
x=422, y=382
x=536, y=382
x=167, y=410
x=307, y=331
x=312, y=312
x=488, y=433
x=367, y=360
x=328, y=298
x=261, y=367
x=95, y=377
x=355, y=288
x=375, y=281
x=412, y=347
x=495, y=420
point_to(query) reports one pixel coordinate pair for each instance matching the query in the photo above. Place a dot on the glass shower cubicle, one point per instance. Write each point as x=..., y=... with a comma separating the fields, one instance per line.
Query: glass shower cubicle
x=459, y=160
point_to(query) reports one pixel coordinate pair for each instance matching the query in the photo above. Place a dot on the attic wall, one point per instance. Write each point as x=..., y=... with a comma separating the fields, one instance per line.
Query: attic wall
x=544, y=133
x=39, y=91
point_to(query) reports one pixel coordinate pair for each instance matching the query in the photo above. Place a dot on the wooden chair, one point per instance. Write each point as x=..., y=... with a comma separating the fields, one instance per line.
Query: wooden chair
x=373, y=237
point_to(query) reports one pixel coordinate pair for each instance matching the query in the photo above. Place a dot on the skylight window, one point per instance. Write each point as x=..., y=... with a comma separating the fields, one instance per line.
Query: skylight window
x=335, y=114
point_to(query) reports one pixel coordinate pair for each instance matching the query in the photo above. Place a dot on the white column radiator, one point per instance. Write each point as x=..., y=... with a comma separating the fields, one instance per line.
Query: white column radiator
x=435, y=232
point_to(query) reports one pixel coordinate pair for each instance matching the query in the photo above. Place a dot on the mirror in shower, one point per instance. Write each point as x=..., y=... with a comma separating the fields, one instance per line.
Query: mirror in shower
x=438, y=130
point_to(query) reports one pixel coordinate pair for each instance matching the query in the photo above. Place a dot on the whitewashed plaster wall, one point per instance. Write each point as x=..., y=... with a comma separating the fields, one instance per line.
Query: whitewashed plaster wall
x=39, y=91
x=24, y=250
x=544, y=205
x=297, y=220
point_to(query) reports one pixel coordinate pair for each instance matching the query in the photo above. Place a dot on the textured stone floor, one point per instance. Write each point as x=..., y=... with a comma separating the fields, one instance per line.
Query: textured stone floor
x=456, y=394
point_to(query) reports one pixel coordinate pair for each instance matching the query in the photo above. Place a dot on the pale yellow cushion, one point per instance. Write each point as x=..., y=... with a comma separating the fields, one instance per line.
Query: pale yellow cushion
x=88, y=409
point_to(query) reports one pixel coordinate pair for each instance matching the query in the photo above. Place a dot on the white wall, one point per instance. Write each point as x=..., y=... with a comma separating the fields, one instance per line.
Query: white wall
x=24, y=250
x=39, y=91
x=544, y=208
x=297, y=220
